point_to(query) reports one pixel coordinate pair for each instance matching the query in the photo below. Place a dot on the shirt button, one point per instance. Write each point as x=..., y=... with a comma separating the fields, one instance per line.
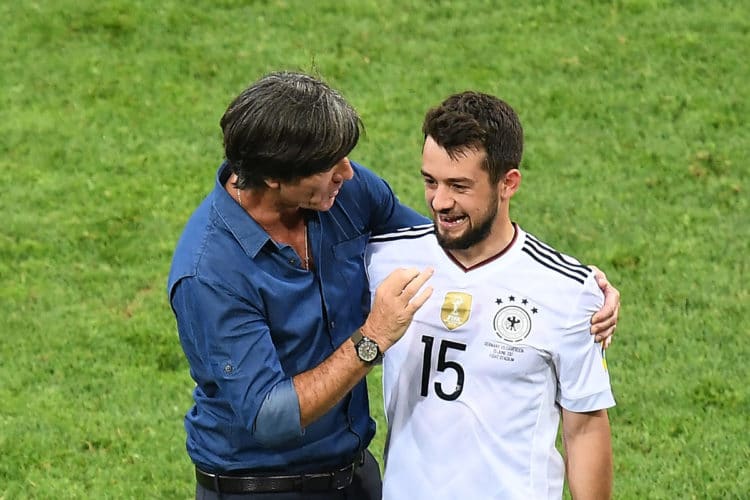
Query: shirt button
x=227, y=369
x=333, y=325
x=292, y=261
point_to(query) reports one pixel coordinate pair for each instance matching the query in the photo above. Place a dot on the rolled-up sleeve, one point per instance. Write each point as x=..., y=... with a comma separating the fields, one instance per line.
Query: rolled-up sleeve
x=230, y=347
x=278, y=421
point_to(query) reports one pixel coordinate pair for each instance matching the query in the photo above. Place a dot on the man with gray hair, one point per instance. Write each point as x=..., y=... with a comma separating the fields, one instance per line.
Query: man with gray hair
x=269, y=290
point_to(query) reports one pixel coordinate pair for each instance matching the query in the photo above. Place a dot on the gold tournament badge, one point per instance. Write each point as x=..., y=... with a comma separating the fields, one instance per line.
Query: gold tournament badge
x=456, y=309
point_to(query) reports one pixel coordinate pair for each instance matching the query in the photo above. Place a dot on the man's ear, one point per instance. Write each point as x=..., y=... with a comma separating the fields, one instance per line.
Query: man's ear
x=272, y=183
x=510, y=183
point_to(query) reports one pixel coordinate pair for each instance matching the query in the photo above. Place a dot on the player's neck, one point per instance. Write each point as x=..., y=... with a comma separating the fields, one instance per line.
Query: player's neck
x=496, y=242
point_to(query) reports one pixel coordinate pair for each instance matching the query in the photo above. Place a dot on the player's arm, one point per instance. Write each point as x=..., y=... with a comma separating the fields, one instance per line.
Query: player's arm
x=588, y=454
x=604, y=322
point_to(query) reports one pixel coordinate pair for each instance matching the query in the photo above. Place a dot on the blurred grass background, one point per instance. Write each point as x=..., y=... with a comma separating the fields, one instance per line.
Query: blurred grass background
x=636, y=160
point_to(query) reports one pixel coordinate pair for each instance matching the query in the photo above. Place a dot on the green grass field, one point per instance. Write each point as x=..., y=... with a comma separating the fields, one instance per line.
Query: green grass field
x=635, y=115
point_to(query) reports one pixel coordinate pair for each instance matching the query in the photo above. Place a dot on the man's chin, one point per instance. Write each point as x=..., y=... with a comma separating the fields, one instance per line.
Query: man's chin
x=450, y=242
x=323, y=205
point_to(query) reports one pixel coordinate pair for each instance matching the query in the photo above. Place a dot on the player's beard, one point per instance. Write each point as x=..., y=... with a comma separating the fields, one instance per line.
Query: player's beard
x=477, y=232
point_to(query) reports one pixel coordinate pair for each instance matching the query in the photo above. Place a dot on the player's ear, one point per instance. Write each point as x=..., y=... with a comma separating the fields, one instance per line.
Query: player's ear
x=510, y=183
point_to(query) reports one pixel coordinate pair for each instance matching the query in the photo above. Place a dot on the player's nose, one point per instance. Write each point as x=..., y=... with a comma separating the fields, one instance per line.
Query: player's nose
x=441, y=200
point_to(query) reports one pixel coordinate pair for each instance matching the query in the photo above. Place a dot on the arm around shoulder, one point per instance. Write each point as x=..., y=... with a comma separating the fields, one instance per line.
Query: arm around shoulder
x=386, y=212
x=604, y=321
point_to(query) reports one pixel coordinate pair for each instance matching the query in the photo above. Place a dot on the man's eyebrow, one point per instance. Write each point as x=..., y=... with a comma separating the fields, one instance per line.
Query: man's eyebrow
x=464, y=180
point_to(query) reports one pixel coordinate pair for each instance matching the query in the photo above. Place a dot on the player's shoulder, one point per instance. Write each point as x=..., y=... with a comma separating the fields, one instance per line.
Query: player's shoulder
x=409, y=246
x=563, y=289
x=559, y=266
x=412, y=234
x=564, y=277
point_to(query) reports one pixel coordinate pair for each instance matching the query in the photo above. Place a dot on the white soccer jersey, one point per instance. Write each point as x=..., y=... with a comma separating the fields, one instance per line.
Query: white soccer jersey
x=474, y=388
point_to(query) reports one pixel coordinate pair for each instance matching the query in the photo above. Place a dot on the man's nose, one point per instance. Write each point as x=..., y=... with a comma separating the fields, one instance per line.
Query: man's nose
x=344, y=170
x=442, y=200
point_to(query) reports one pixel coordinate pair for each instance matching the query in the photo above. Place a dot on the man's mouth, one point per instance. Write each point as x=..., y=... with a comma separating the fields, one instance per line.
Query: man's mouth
x=450, y=220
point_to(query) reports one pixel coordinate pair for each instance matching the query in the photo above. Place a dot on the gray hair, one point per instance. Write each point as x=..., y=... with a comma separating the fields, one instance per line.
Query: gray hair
x=286, y=126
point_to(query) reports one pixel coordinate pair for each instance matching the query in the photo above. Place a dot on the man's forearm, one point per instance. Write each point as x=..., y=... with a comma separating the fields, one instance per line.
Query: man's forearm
x=588, y=454
x=396, y=300
x=320, y=388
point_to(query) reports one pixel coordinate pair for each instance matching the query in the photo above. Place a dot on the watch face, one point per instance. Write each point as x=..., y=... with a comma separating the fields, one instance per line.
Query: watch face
x=367, y=350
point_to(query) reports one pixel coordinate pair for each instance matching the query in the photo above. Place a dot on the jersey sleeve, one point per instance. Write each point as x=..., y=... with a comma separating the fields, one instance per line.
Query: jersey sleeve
x=583, y=379
x=377, y=266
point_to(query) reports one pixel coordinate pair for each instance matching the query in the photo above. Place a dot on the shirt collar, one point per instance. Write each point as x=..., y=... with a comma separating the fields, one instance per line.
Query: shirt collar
x=250, y=235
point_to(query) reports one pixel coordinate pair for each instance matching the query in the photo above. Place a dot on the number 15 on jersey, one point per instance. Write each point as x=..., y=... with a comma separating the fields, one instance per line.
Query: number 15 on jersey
x=443, y=364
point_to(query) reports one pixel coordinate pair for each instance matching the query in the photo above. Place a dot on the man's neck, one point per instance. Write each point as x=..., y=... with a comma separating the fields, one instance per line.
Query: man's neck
x=495, y=243
x=263, y=206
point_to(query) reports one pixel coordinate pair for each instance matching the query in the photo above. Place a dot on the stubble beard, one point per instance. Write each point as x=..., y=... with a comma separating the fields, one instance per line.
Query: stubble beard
x=472, y=236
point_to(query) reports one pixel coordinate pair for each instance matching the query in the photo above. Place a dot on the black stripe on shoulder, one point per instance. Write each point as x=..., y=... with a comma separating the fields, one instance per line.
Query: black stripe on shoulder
x=406, y=233
x=557, y=258
x=554, y=260
x=546, y=264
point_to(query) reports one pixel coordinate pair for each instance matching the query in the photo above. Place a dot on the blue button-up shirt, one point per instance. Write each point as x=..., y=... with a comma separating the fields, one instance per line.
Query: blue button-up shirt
x=250, y=318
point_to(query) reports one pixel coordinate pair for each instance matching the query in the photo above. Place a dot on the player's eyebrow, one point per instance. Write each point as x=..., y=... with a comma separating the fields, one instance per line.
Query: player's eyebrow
x=451, y=180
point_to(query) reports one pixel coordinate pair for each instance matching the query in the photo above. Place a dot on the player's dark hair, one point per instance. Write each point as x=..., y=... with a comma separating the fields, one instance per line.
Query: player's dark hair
x=473, y=121
x=286, y=126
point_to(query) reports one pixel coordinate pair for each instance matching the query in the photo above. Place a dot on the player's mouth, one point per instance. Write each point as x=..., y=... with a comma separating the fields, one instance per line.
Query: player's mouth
x=450, y=221
x=334, y=194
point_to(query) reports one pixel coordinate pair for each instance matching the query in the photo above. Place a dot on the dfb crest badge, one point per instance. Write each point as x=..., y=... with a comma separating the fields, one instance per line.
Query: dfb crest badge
x=512, y=321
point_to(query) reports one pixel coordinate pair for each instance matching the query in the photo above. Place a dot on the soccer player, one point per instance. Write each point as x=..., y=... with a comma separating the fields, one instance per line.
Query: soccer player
x=475, y=390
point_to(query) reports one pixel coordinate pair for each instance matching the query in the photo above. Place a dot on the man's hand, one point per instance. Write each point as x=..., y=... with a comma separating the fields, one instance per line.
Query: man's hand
x=604, y=322
x=395, y=303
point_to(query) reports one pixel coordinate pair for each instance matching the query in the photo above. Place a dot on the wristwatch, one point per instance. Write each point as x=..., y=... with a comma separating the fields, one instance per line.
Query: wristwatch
x=367, y=349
